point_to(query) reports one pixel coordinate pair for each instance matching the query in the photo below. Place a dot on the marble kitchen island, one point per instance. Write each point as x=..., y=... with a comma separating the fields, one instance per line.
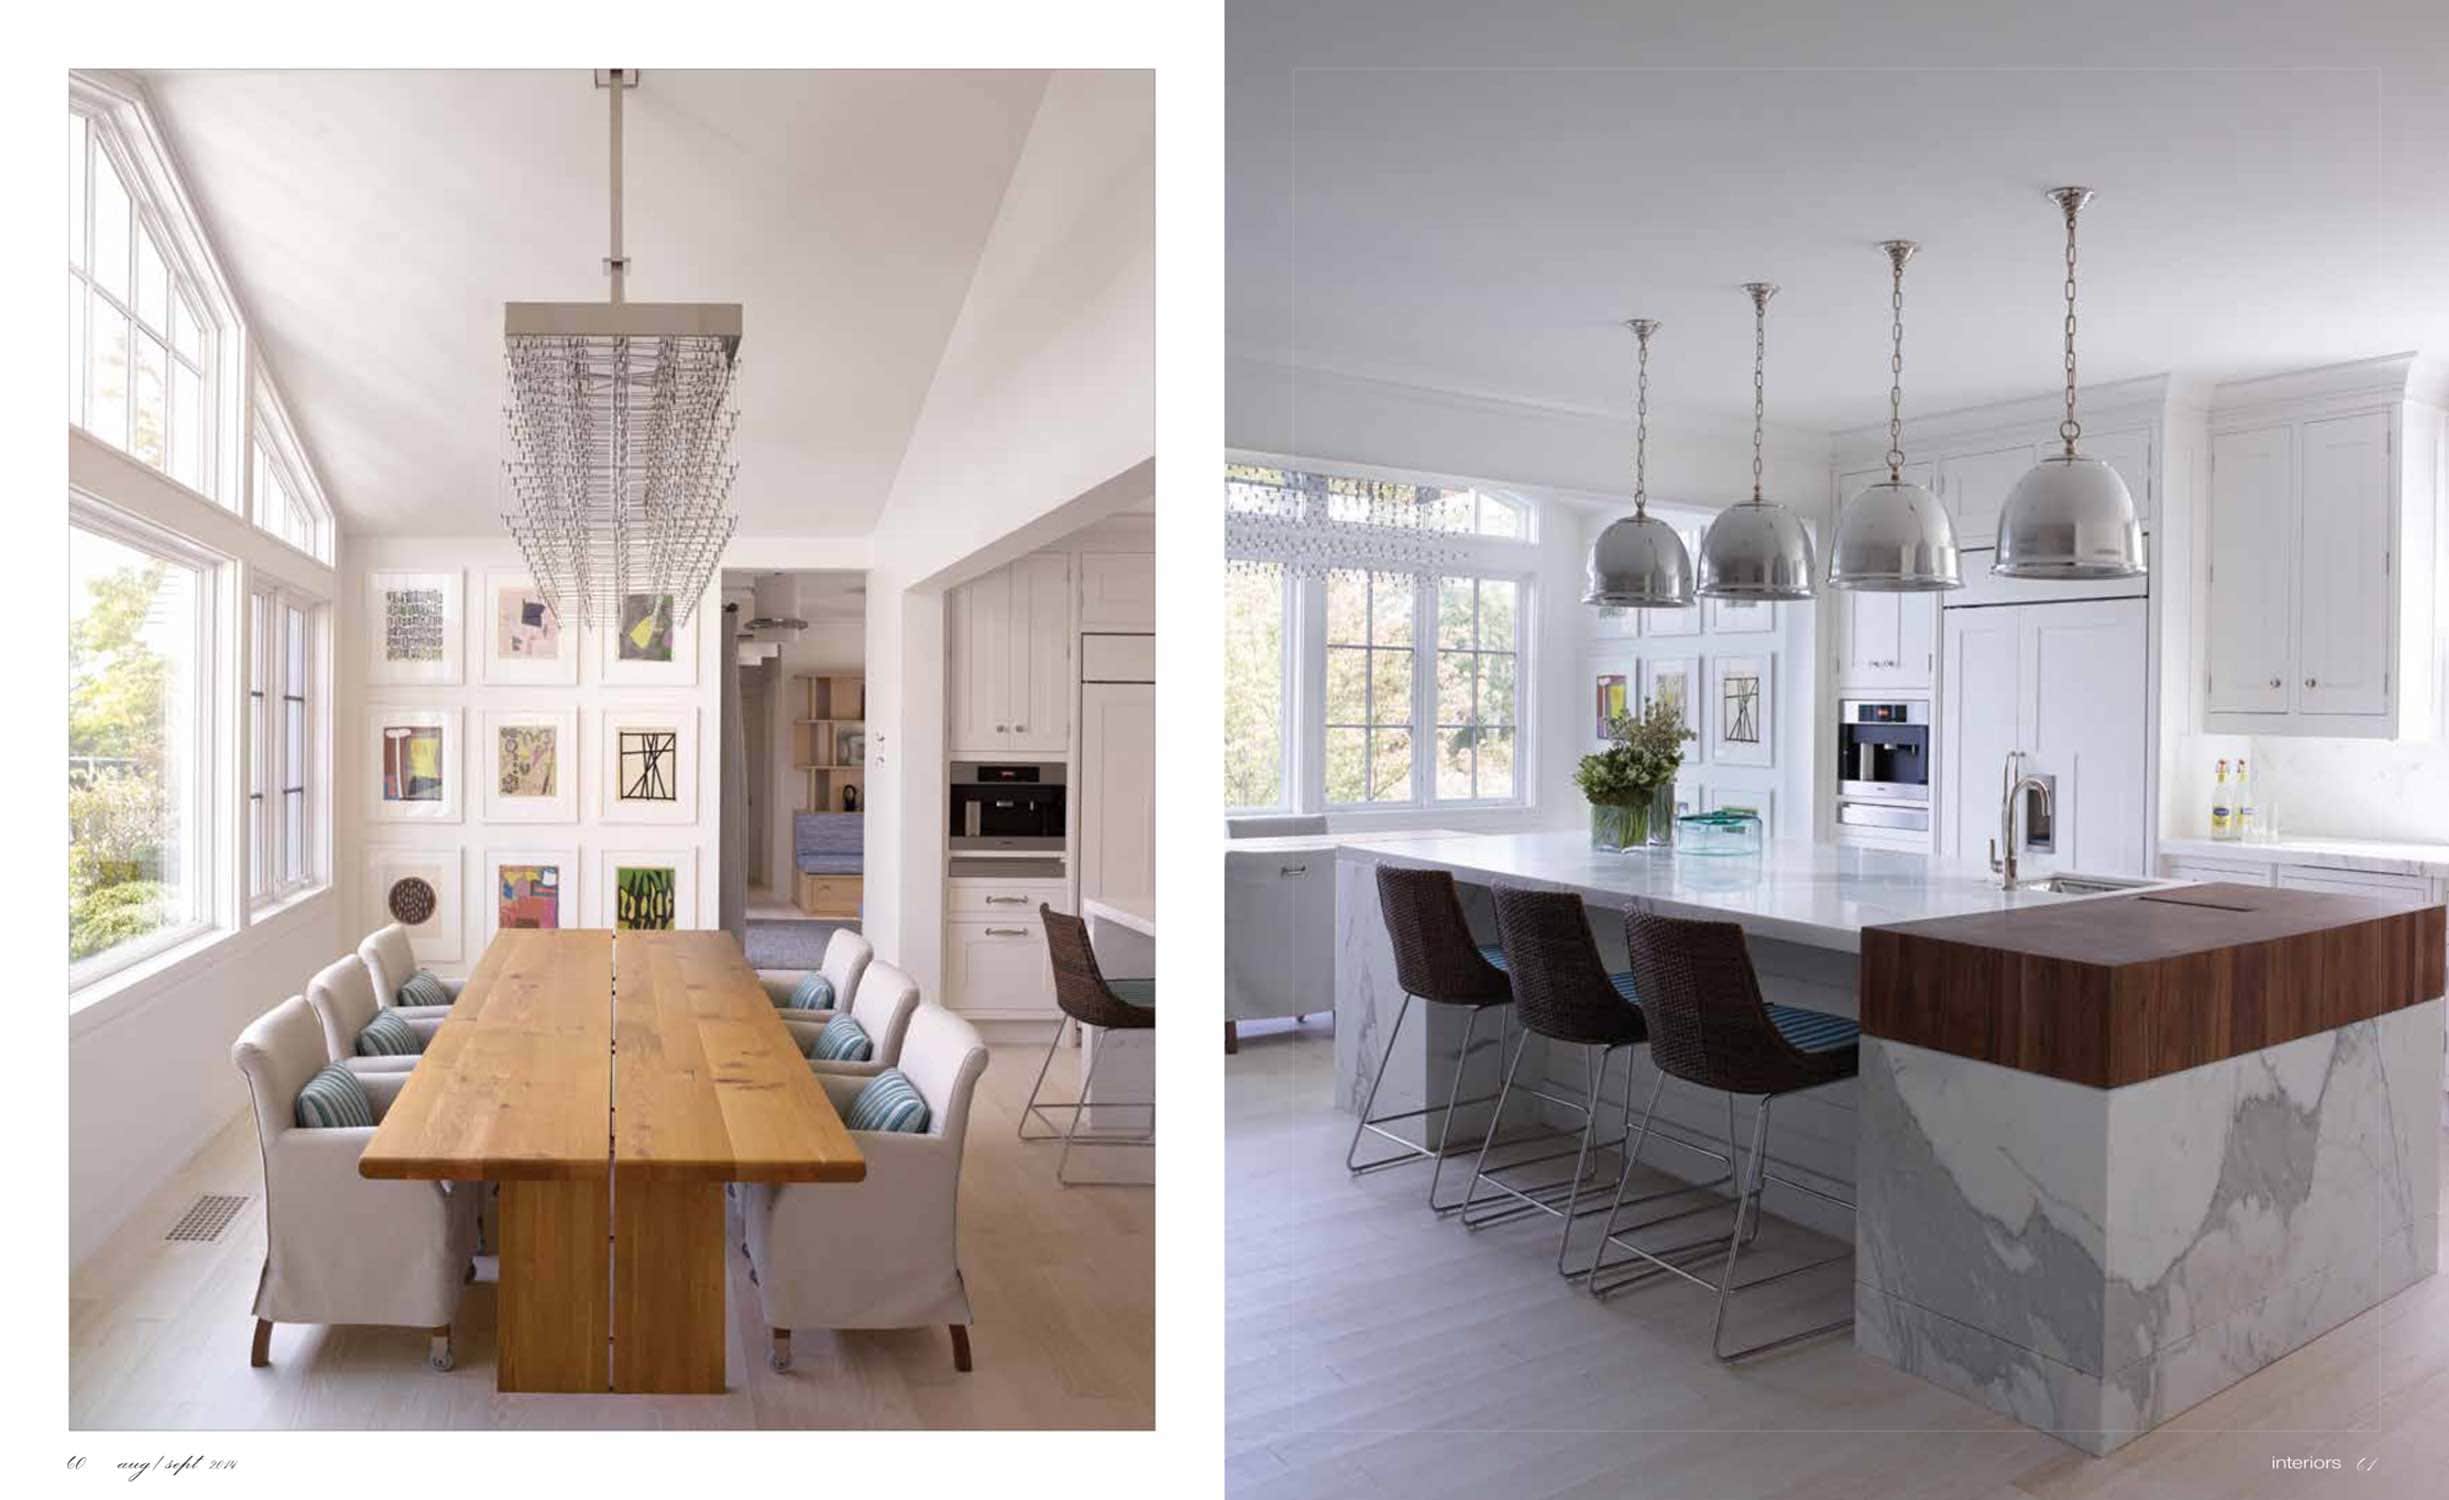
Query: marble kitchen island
x=2083, y=1219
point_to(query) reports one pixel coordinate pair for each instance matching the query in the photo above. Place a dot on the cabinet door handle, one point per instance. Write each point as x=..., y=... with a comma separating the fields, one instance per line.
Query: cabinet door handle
x=999, y=729
x=1007, y=932
x=1293, y=870
x=2274, y=682
x=1020, y=729
x=2312, y=682
x=1007, y=901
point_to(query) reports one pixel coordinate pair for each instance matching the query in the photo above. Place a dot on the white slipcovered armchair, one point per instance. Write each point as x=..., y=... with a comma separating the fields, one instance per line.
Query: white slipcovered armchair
x=883, y=1252
x=847, y=956
x=342, y=997
x=886, y=1000
x=390, y=960
x=340, y=1248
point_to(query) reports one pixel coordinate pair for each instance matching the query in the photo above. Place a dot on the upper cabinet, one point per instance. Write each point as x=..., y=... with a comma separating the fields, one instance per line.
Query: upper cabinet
x=1117, y=591
x=1010, y=689
x=1974, y=488
x=2320, y=556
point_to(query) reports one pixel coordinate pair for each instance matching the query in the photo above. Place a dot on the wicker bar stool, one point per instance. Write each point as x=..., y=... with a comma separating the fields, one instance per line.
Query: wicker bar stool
x=1564, y=994
x=1088, y=997
x=1710, y=1026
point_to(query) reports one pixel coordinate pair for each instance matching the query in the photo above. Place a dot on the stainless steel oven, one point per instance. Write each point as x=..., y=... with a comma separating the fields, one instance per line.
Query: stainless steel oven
x=1007, y=807
x=1883, y=765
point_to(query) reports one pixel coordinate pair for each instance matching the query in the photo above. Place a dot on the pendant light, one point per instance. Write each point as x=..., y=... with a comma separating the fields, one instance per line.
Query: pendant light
x=2069, y=517
x=1757, y=551
x=1639, y=562
x=1894, y=537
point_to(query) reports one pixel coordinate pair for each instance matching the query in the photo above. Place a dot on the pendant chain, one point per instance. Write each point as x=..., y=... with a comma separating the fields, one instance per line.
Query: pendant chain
x=1761, y=292
x=1899, y=251
x=2071, y=199
x=1642, y=329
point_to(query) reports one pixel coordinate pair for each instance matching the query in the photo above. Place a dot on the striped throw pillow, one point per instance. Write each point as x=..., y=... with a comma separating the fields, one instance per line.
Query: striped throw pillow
x=889, y=1102
x=422, y=988
x=843, y=1040
x=387, y=1035
x=334, y=1098
x=815, y=992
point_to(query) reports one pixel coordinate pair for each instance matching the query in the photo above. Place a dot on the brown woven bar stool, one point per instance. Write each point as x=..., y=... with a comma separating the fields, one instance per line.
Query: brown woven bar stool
x=1564, y=994
x=1710, y=1026
x=1435, y=961
x=1088, y=997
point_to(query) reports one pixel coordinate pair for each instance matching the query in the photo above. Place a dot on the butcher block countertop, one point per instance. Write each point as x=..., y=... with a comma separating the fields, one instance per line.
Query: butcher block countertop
x=2117, y=990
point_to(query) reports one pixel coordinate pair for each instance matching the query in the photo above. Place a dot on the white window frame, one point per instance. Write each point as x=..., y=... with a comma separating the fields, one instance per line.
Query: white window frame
x=1288, y=633
x=268, y=782
x=200, y=850
x=273, y=443
x=1506, y=559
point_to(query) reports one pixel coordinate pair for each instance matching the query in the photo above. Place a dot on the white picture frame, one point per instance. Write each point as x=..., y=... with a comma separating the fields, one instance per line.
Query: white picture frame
x=390, y=897
x=505, y=770
x=398, y=765
x=561, y=860
x=1741, y=616
x=1655, y=671
x=1743, y=725
x=506, y=644
x=681, y=860
x=672, y=665
x=627, y=738
x=415, y=627
x=1761, y=800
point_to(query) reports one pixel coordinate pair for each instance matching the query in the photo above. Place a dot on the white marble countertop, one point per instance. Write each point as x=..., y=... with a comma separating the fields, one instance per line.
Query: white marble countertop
x=2377, y=855
x=1320, y=843
x=1819, y=895
x=1138, y=913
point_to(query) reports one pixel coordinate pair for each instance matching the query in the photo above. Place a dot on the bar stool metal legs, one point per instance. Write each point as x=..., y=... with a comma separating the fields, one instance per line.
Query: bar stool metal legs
x=1074, y=1136
x=1376, y=1124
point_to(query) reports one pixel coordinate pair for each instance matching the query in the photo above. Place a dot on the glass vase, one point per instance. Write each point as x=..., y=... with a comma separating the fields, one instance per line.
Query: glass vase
x=1645, y=821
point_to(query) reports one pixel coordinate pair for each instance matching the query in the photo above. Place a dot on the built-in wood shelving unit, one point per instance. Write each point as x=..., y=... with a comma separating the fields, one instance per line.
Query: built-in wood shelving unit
x=828, y=741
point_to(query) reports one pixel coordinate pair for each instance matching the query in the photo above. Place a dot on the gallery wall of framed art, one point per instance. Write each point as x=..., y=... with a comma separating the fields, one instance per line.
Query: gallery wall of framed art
x=514, y=765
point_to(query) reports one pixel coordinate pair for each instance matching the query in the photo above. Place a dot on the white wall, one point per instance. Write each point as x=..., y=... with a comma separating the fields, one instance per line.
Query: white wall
x=357, y=780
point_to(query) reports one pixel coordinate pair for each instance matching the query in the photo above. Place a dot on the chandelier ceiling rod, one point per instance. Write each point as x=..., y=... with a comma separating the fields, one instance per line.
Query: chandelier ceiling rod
x=620, y=81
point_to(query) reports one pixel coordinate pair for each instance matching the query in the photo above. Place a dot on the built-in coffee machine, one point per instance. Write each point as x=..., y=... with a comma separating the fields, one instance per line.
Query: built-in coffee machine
x=1883, y=765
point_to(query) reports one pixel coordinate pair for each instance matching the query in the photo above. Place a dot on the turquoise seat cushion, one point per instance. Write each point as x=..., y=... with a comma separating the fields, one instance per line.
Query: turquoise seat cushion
x=1139, y=992
x=814, y=992
x=332, y=1099
x=1814, y=1030
x=387, y=1035
x=843, y=1040
x=1624, y=986
x=1495, y=954
x=422, y=988
x=889, y=1102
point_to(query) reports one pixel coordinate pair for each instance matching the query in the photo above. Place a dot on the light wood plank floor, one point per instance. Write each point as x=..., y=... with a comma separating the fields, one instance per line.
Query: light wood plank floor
x=1373, y=1350
x=1062, y=1281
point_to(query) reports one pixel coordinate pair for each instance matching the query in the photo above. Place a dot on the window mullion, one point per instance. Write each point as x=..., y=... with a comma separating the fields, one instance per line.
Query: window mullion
x=1424, y=689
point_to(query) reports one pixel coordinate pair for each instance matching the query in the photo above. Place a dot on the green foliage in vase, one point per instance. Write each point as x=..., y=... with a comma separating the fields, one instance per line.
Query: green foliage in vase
x=1644, y=752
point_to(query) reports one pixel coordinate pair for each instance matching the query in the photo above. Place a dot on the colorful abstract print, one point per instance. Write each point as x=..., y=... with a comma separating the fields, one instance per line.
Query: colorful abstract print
x=528, y=897
x=646, y=898
x=412, y=763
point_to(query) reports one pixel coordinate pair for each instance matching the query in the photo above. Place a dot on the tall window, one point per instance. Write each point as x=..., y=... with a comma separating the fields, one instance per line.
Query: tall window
x=297, y=645
x=138, y=347
x=1255, y=687
x=279, y=839
x=260, y=769
x=1476, y=688
x=1369, y=663
x=139, y=801
x=282, y=506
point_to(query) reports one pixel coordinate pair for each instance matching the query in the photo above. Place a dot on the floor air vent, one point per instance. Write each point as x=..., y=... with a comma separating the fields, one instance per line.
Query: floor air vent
x=207, y=1217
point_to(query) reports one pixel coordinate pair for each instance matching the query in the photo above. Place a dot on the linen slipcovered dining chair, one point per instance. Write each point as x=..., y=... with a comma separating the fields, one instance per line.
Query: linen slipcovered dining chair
x=882, y=1006
x=883, y=1252
x=340, y=1248
x=392, y=962
x=847, y=956
x=342, y=997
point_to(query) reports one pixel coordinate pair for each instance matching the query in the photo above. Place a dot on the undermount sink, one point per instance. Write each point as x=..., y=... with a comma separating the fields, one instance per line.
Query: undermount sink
x=2088, y=885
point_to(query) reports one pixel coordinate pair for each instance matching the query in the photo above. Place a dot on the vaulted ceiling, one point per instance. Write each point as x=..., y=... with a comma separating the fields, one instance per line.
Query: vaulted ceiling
x=374, y=223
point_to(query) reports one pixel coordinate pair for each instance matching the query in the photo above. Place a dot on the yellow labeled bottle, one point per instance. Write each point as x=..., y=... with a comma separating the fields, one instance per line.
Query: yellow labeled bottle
x=2223, y=816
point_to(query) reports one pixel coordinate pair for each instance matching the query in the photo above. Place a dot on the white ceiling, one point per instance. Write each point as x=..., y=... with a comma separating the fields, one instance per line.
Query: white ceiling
x=1473, y=200
x=375, y=223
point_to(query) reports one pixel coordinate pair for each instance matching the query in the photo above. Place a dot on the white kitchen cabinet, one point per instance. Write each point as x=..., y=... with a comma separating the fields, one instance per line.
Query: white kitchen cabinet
x=1884, y=642
x=997, y=967
x=1982, y=720
x=1117, y=789
x=1117, y=591
x=2295, y=877
x=1279, y=933
x=2251, y=616
x=2127, y=450
x=1010, y=687
x=2343, y=603
x=1974, y=487
x=2188, y=867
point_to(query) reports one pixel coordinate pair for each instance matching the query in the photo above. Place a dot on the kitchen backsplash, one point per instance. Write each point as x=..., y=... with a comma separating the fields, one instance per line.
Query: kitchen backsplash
x=2363, y=789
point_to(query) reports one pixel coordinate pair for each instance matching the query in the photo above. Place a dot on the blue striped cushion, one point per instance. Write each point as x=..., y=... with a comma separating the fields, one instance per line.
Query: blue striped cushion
x=843, y=1040
x=814, y=992
x=1624, y=986
x=387, y=1035
x=1494, y=953
x=1139, y=992
x=334, y=1098
x=889, y=1102
x=1814, y=1030
x=422, y=988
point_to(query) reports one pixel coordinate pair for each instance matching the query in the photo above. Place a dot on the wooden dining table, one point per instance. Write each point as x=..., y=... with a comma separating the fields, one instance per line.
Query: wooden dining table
x=611, y=1084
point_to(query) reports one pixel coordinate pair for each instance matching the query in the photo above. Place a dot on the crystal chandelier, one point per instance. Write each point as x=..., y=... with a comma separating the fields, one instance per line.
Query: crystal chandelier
x=619, y=427
x=1309, y=525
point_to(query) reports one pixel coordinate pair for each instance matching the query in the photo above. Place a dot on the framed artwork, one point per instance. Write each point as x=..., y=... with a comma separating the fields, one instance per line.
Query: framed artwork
x=519, y=637
x=651, y=890
x=413, y=627
x=528, y=761
x=418, y=888
x=645, y=647
x=1745, y=728
x=1614, y=702
x=1677, y=680
x=1757, y=800
x=414, y=755
x=1741, y=616
x=530, y=889
x=648, y=771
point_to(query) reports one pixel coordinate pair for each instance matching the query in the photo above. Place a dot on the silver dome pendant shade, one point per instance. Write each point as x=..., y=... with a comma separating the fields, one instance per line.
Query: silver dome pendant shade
x=1894, y=537
x=1639, y=562
x=1756, y=551
x=2070, y=517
